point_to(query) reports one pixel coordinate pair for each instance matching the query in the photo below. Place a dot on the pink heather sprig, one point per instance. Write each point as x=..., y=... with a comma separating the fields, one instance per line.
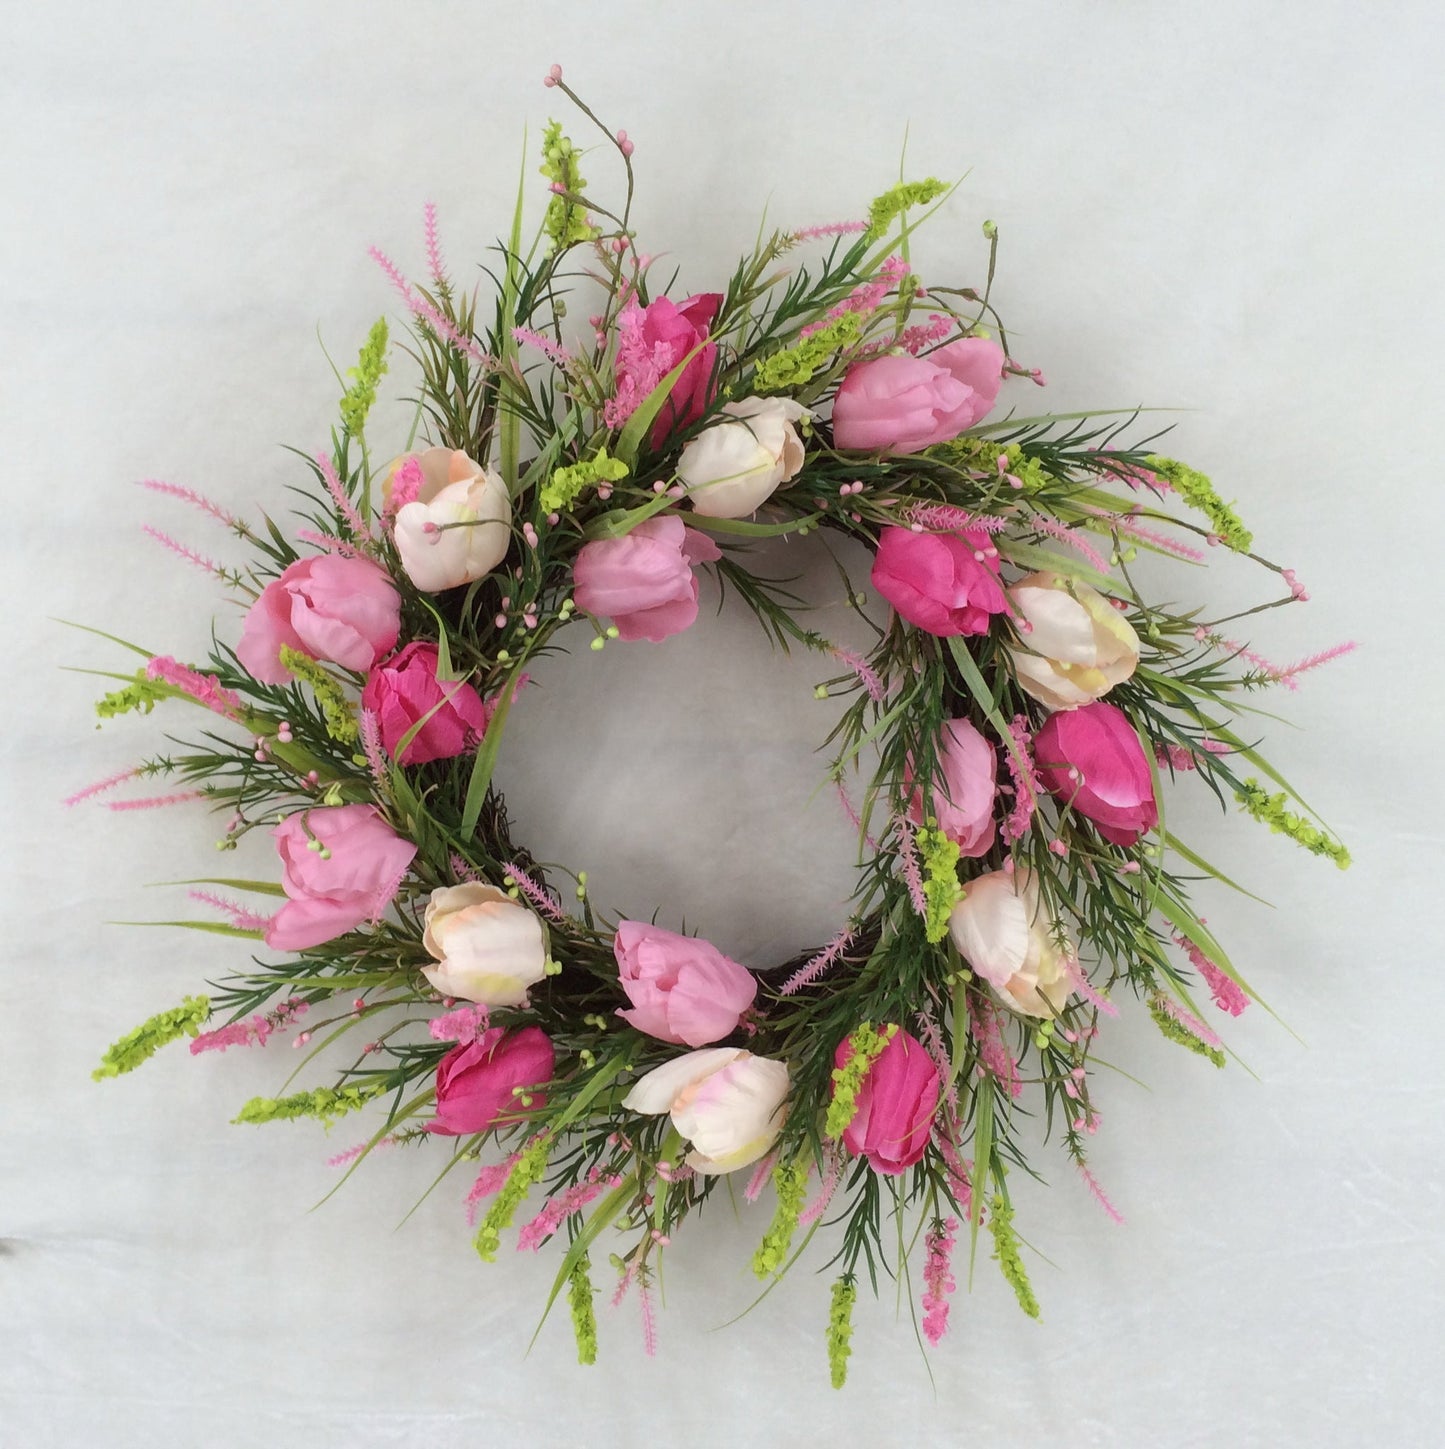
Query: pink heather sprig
x=624, y=1282
x=418, y=306
x=867, y=675
x=835, y=228
x=180, y=549
x=908, y=865
x=344, y=506
x=254, y=1032
x=811, y=970
x=406, y=484
x=1182, y=757
x=1131, y=528
x=1074, y=970
x=560, y=1207
x=1065, y=535
x=759, y=1180
x=488, y=1184
x=649, y=1320
x=370, y=727
x=1136, y=477
x=516, y=876
x=544, y=345
x=1099, y=1194
x=462, y=869
x=240, y=916
x=463, y=1025
x=960, y=1173
x=925, y=334
x=1287, y=675
x=189, y=495
x=205, y=689
x=1227, y=993
x=993, y=1052
x=639, y=368
x=100, y=786
x=864, y=299
x=832, y=1173
x=1027, y=788
x=156, y=802
x=434, y=262
x=345, y=1159
x=938, y=1280
x=932, y=1038
x=946, y=518
x=1188, y=1020
x=326, y=541
x=854, y=818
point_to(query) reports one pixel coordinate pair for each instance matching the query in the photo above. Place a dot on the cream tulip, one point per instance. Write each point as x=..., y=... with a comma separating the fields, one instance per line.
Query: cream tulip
x=458, y=527
x=1002, y=934
x=726, y=1102
x=1074, y=645
x=733, y=467
x=488, y=948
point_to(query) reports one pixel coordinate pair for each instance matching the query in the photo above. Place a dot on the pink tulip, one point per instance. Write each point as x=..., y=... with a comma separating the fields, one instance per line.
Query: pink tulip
x=484, y=1082
x=895, y=1104
x=682, y=988
x=902, y=404
x=644, y=581
x=405, y=688
x=964, y=789
x=942, y=583
x=351, y=877
x=1091, y=760
x=343, y=611
x=654, y=339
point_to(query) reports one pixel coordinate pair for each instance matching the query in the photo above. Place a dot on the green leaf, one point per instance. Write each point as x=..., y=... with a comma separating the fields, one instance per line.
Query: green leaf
x=1031, y=556
x=216, y=928
x=629, y=440
x=486, y=760
x=232, y=883
x=982, y=1163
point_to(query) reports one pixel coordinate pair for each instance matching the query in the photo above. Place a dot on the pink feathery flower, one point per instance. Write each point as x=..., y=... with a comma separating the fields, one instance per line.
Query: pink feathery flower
x=908, y=865
x=326, y=541
x=639, y=366
x=1135, y=476
x=371, y=746
x=867, y=675
x=649, y=1323
x=1182, y=757
x=851, y=813
x=100, y=786
x=945, y=518
x=345, y=1159
x=418, y=306
x=1027, y=788
x=247, y=920
x=561, y=1206
x=1054, y=529
x=488, y=1184
x=1313, y=661
x=836, y=228
x=406, y=483
x=254, y=1031
x=549, y=349
x=463, y=1025
x=993, y=1053
x=759, y=1180
x=155, y=802
x=826, y=1189
x=864, y=299
x=189, y=554
x=344, y=506
x=539, y=898
x=1228, y=994
x=1130, y=528
x=1098, y=1192
x=808, y=973
x=624, y=1282
x=189, y=495
x=938, y=1280
x=932, y=1038
x=1187, y=1020
x=434, y=261
x=1078, y=977
x=960, y=1173
x=205, y=689
x=462, y=869
x=925, y=334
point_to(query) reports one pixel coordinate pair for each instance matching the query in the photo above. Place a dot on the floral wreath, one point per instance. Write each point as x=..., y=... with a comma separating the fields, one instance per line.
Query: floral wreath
x=1003, y=751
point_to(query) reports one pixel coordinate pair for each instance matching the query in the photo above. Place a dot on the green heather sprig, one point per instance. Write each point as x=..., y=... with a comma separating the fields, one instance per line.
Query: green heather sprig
x=938, y=856
x=796, y=366
x=338, y=711
x=324, y=1104
x=1006, y=1250
x=1197, y=491
x=140, y=697
x=1271, y=810
x=885, y=209
x=566, y=484
x=790, y=1180
x=365, y=377
x=151, y=1035
x=867, y=1045
x=840, y=1328
x=566, y=221
x=1167, y=1018
x=526, y=1172
x=584, y=1317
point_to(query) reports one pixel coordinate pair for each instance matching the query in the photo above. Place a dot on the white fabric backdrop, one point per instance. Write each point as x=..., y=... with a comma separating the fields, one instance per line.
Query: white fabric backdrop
x=1235, y=211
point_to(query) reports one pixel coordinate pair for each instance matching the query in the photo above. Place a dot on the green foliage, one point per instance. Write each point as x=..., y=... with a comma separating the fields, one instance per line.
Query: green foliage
x=840, y=1328
x=526, y=1172
x=150, y=1036
x=584, y=1317
x=885, y=209
x=1170, y=1026
x=566, y=484
x=566, y=221
x=941, y=891
x=1197, y=491
x=140, y=697
x=1271, y=810
x=796, y=366
x=867, y=1043
x=338, y=711
x=1006, y=1251
x=323, y=1104
x=790, y=1179
x=370, y=367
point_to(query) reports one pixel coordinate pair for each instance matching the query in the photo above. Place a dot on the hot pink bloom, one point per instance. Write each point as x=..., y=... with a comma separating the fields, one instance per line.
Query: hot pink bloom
x=352, y=877
x=682, y=989
x=902, y=404
x=652, y=341
x=1091, y=759
x=344, y=611
x=943, y=583
x=405, y=688
x=482, y=1083
x=964, y=788
x=643, y=581
x=895, y=1104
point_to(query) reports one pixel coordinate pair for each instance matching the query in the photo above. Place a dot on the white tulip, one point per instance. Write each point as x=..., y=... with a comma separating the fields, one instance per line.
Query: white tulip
x=726, y=1102
x=488, y=948
x=458, y=528
x=1000, y=931
x=1075, y=646
x=733, y=467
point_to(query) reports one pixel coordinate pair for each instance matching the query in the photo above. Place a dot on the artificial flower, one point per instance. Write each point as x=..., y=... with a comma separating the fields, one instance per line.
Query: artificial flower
x=458, y=527
x=682, y=988
x=1074, y=646
x=404, y=690
x=1001, y=932
x=942, y=583
x=644, y=581
x=894, y=1105
x=1090, y=759
x=964, y=789
x=491, y=1079
x=488, y=948
x=734, y=466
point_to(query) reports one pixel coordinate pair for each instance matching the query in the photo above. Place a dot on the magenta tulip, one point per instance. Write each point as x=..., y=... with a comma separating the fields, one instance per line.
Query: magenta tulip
x=486, y=1081
x=1091, y=760
x=404, y=689
x=942, y=583
x=895, y=1104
